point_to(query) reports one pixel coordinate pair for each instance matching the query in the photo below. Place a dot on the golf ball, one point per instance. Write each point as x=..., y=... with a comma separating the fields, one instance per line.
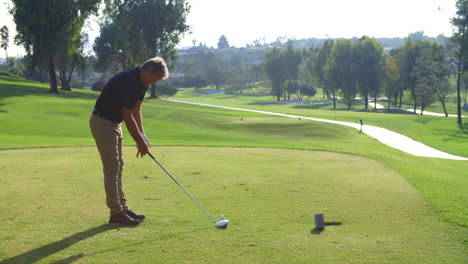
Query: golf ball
x=221, y=217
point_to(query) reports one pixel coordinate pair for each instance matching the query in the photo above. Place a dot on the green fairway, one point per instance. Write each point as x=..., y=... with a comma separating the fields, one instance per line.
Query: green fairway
x=438, y=132
x=56, y=210
x=267, y=174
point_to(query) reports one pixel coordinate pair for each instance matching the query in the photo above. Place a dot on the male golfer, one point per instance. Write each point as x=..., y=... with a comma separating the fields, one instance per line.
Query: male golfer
x=120, y=100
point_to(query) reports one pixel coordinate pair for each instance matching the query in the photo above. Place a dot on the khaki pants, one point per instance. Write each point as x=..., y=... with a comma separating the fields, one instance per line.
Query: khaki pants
x=108, y=137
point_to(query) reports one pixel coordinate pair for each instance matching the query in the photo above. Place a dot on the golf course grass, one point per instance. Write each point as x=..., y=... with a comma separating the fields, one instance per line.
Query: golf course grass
x=269, y=175
x=438, y=132
x=56, y=209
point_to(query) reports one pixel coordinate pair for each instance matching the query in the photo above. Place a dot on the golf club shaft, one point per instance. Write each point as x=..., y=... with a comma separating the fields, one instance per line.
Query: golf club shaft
x=186, y=192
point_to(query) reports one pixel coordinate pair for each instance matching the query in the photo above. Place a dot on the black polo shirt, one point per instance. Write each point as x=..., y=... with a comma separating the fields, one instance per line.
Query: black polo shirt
x=122, y=90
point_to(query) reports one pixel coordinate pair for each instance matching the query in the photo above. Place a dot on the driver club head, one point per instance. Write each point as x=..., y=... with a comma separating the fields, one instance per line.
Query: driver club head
x=222, y=224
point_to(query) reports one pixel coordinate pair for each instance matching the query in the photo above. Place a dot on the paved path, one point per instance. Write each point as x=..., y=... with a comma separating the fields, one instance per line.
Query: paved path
x=418, y=111
x=383, y=135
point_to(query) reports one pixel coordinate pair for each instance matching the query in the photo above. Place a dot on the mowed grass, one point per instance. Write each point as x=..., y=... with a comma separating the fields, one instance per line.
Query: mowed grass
x=31, y=117
x=438, y=132
x=53, y=209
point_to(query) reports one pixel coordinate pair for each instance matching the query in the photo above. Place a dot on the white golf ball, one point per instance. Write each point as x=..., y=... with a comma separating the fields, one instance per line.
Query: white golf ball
x=221, y=217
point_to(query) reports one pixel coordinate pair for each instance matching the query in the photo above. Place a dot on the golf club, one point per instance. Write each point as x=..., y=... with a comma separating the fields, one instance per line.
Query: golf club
x=221, y=224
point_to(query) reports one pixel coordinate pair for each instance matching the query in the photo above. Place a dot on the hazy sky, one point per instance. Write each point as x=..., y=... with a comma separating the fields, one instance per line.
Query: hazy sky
x=244, y=21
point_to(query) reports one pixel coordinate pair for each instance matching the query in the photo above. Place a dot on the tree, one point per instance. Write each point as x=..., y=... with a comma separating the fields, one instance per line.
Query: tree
x=391, y=79
x=339, y=72
x=223, y=42
x=407, y=60
x=293, y=60
x=197, y=81
x=69, y=60
x=369, y=59
x=460, y=38
x=430, y=73
x=5, y=38
x=85, y=69
x=237, y=79
x=216, y=69
x=305, y=90
x=16, y=66
x=398, y=55
x=465, y=83
x=47, y=29
x=135, y=30
x=276, y=68
x=317, y=63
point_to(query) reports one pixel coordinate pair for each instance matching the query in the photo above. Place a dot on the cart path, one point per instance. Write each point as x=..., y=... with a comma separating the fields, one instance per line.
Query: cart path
x=383, y=135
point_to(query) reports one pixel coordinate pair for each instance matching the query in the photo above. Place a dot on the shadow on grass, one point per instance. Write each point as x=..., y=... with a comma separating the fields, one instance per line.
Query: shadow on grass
x=318, y=231
x=37, y=254
x=17, y=88
x=70, y=259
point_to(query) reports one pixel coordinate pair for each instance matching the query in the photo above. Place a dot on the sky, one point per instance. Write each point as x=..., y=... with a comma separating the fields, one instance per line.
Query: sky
x=244, y=21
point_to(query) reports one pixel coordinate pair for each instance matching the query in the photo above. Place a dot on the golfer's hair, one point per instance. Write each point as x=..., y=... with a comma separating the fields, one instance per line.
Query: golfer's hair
x=156, y=65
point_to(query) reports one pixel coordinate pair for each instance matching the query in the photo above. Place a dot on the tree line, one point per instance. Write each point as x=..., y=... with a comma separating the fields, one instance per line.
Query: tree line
x=345, y=70
x=133, y=30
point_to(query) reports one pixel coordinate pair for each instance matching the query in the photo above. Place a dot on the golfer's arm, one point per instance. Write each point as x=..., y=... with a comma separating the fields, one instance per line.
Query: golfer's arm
x=138, y=116
x=132, y=125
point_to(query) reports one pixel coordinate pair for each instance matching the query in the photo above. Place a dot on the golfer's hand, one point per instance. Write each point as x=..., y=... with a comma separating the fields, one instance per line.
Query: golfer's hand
x=146, y=140
x=143, y=149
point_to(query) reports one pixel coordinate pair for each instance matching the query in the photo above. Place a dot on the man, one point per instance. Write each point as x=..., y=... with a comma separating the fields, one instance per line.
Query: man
x=120, y=100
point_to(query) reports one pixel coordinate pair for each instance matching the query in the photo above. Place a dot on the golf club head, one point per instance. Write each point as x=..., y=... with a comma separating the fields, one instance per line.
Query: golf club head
x=222, y=224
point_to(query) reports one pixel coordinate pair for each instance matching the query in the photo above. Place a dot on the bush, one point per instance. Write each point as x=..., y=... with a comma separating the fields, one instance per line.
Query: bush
x=11, y=75
x=165, y=90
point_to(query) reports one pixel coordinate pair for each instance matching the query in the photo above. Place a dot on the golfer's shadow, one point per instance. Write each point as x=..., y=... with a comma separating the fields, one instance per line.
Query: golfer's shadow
x=37, y=254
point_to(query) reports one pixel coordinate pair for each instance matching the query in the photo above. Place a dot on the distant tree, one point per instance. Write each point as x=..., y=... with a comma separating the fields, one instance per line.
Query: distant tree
x=293, y=88
x=69, y=60
x=418, y=35
x=237, y=79
x=276, y=68
x=408, y=55
x=193, y=66
x=293, y=60
x=5, y=38
x=16, y=66
x=85, y=69
x=47, y=29
x=391, y=80
x=305, y=90
x=255, y=74
x=398, y=55
x=430, y=74
x=460, y=38
x=165, y=90
x=215, y=69
x=223, y=42
x=339, y=71
x=442, y=86
x=305, y=76
x=369, y=68
x=197, y=81
x=316, y=65
x=465, y=83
